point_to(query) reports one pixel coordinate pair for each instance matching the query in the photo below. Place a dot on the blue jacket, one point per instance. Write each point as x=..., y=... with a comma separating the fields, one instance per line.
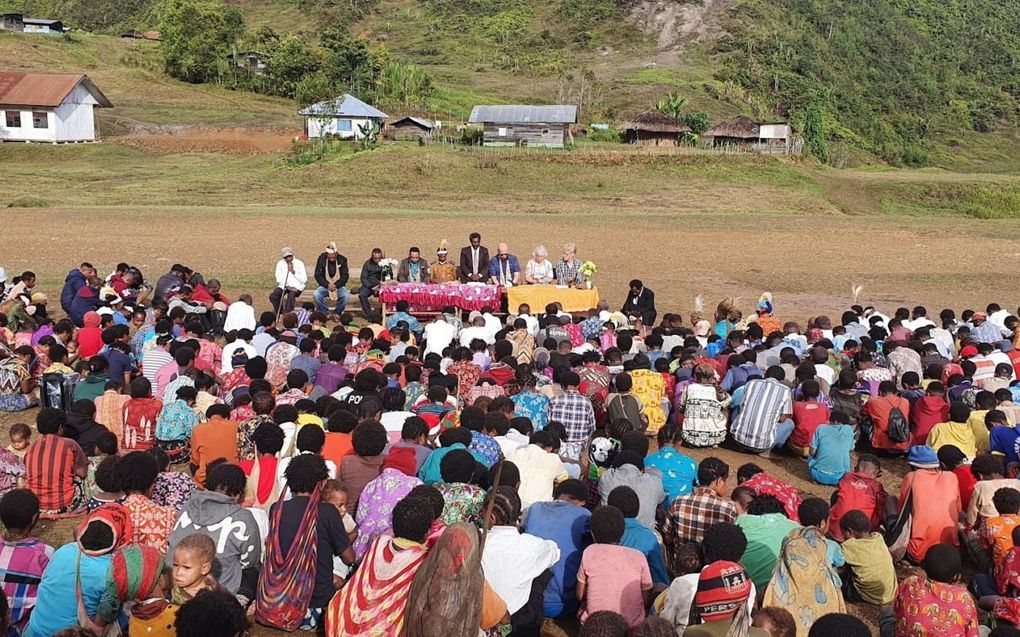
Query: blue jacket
x=86, y=300
x=74, y=281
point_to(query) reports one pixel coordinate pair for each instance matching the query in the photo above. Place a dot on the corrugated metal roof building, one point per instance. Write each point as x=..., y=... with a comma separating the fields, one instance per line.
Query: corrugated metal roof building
x=39, y=107
x=342, y=117
x=525, y=125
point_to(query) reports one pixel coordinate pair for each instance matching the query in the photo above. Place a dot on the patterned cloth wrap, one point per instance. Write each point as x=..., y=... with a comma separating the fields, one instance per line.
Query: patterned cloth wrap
x=424, y=297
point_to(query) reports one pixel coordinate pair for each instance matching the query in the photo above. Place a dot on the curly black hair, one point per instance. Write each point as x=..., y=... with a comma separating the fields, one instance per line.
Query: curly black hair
x=305, y=472
x=509, y=474
x=457, y=466
x=369, y=438
x=724, y=541
x=607, y=525
x=136, y=472
x=626, y=500
x=107, y=476
x=226, y=478
x=342, y=420
x=813, y=512
x=414, y=427
x=49, y=420
x=268, y=438
x=839, y=624
x=310, y=438
x=454, y=435
x=573, y=488
x=1006, y=501
x=605, y=623
x=211, y=612
x=412, y=519
x=19, y=509
x=434, y=497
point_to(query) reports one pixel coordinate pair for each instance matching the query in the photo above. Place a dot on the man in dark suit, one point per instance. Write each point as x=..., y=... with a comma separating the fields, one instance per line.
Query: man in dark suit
x=474, y=261
x=640, y=302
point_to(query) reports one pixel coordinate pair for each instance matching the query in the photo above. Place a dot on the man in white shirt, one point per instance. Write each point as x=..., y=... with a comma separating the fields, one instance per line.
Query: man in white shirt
x=540, y=467
x=491, y=322
x=241, y=344
x=438, y=335
x=290, y=282
x=240, y=315
x=477, y=330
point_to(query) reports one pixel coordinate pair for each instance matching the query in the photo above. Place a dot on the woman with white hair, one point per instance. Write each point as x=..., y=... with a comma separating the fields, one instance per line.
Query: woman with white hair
x=539, y=270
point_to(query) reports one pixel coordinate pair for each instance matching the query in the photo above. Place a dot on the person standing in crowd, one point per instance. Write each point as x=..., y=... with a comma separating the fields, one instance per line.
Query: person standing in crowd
x=291, y=278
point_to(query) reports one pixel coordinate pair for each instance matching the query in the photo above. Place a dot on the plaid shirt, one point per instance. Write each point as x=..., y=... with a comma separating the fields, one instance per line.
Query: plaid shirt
x=691, y=515
x=568, y=273
x=575, y=412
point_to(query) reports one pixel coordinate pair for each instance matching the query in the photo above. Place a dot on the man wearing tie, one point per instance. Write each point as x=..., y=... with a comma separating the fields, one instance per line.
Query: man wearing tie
x=640, y=303
x=474, y=261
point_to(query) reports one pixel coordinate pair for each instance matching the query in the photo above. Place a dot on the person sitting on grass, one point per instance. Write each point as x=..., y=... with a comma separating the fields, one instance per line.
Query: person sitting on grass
x=955, y=432
x=369, y=439
x=612, y=577
x=638, y=536
x=171, y=488
x=55, y=467
x=869, y=575
x=808, y=414
x=175, y=423
x=140, y=415
x=840, y=624
x=151, y=523
x=932, y=498
x=463, y=500
x=765, y=525
x=214, y=439
x=830, y=450
x=23, y=557
x=263, y=488
x=996, y=539
x=108, y=486
x=777, y=622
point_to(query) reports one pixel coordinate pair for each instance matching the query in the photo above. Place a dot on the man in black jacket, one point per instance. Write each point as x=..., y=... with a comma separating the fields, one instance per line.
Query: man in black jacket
x=331, y=273
x=371, y=280
x=640, y=303
x=474, y=261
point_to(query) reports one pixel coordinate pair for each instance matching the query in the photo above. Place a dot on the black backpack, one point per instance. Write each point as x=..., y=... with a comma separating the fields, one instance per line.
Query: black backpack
x=899, y=428
x=57, y=390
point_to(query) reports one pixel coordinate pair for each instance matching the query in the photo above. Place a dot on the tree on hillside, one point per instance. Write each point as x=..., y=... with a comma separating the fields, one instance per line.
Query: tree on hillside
x=197, y=38
x=348, y=60
x=290, y=62
x=673, y=105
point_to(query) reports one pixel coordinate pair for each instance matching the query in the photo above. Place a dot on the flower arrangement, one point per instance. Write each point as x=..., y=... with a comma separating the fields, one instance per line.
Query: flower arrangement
x=389, y=268
x=588, y=270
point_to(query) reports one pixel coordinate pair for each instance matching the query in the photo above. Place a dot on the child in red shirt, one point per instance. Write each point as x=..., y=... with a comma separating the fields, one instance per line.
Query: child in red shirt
x=808, y=414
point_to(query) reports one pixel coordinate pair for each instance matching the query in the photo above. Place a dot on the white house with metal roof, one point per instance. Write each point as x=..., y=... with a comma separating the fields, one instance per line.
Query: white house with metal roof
x=345, y=117
x=521, y=125
x=42, y=107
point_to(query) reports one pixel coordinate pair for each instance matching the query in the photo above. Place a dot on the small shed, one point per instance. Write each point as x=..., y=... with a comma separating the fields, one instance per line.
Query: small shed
x=37, y=107
x=745, y=133
x=654, y=128
x=343, y=117
x=518, y=125
x=253, y=62
x=411, y=128
x=40, y=25
x=12, y=22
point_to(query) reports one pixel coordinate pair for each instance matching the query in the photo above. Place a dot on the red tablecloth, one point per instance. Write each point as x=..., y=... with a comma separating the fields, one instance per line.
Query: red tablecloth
x=425, y=297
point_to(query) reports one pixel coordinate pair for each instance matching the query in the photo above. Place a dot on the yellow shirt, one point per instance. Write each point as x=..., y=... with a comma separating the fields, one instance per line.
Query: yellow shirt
x=442, y=272
x=981, y=433
x=308, y=419
x=874, y=576
x=958, y=434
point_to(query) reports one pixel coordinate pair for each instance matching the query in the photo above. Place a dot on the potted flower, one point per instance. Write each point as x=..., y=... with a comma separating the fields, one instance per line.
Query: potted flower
x=389, y=268
x=588, y=270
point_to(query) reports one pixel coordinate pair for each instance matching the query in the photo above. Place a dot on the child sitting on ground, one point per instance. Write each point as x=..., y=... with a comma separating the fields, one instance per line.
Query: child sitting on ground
x=307, y=414
x=106, y=446
x=996, y=536
x=171, y=488
x=24, y=558
x=192, y=567
x=335, y=494
x=860, y=490
x=808, y=414
x=12, y=471
x=108, y=489
x=815, y=512
x=830, y=450
x=613, y=577
x=869, y=574
x=21, y=436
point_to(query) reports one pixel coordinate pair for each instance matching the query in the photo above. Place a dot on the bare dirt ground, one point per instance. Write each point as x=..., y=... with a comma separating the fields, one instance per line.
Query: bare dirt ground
x=165, y=140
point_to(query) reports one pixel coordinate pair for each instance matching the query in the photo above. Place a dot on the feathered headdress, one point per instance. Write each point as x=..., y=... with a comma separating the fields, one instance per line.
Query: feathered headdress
x=855, y=291
x=442, y=247
x=765, y=303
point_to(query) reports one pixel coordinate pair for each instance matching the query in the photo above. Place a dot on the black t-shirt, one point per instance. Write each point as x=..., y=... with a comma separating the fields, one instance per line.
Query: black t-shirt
x=332, y=540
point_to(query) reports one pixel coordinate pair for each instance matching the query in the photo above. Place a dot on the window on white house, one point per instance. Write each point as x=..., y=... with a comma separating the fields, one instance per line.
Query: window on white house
x=40, y=119
x=502, y=132
x=344, y=126
x=13, y=119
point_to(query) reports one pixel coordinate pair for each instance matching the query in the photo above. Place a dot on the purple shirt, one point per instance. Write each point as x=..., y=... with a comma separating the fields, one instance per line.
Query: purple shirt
x=329, y=376
x=375, y=507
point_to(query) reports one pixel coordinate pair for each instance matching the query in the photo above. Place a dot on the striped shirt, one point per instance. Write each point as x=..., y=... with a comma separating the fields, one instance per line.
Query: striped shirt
x=21, y=567
x=49, y=470
x=765, y=400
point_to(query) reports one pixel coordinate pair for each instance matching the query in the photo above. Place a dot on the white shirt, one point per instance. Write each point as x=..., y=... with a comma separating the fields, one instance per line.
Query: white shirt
x=240, y=316
x=438, y=336
x=471, y=333
x=511, y=442
x=281, y=476
x=918, y=323
x=511, y=560
x=295, y=279
x=492, y=324
x=232, y=348
x=261, y=343
x=393, y=423
x=540, y=471
x=943, y=340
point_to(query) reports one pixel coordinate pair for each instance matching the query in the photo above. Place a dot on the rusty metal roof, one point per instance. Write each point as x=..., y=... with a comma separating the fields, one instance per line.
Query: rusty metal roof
x=44, y=89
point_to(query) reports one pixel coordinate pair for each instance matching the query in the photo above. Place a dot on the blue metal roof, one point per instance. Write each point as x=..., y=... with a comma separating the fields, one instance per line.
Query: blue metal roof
x=522, y=114
x=344, y=106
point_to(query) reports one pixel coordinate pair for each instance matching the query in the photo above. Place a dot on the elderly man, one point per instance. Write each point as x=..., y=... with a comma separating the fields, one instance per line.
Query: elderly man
x=331, y=273
x=291, y=278
x=568, y=268
x=640, y=303
x=505, y=269
x=474, y=261
x=371, y=280
x=442, y=271
x=413, y=269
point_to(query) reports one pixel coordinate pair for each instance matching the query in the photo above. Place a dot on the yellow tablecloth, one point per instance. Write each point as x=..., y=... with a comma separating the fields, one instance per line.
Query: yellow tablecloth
x=538, y=296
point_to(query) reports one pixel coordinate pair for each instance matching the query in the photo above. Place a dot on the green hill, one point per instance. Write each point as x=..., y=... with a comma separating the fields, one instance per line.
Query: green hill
x=909, y=82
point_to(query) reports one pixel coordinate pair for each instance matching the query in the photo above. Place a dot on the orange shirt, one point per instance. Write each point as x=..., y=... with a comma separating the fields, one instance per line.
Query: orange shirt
x=337, y=447
x=936, y=509
x=211, y=440
x=879, y=409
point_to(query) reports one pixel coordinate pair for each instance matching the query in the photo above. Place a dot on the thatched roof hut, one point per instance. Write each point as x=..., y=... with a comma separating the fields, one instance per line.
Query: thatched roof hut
x=741, y=127
x=655, y=128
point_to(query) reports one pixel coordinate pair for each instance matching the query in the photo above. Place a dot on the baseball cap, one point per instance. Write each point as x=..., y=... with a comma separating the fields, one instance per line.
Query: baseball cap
x=287, y=252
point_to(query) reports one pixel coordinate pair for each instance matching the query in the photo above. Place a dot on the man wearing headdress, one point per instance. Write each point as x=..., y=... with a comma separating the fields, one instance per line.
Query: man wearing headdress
x=766, y=321
x=442, y=270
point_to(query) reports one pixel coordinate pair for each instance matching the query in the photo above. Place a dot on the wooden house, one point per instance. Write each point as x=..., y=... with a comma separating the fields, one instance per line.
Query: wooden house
x=12, y=22
x=37, y=107
x=252, y=62
x=545, y=126
x=653, y=128
x=747, y=134
x=411, y=128
x=39, y=25
x=344, y=117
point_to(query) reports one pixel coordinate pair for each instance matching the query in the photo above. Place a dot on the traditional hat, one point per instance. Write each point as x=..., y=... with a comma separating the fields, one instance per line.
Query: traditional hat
x=765, y=303
x=442, y=247
x=331, y=247
x=723, y=588
x=38, y=297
